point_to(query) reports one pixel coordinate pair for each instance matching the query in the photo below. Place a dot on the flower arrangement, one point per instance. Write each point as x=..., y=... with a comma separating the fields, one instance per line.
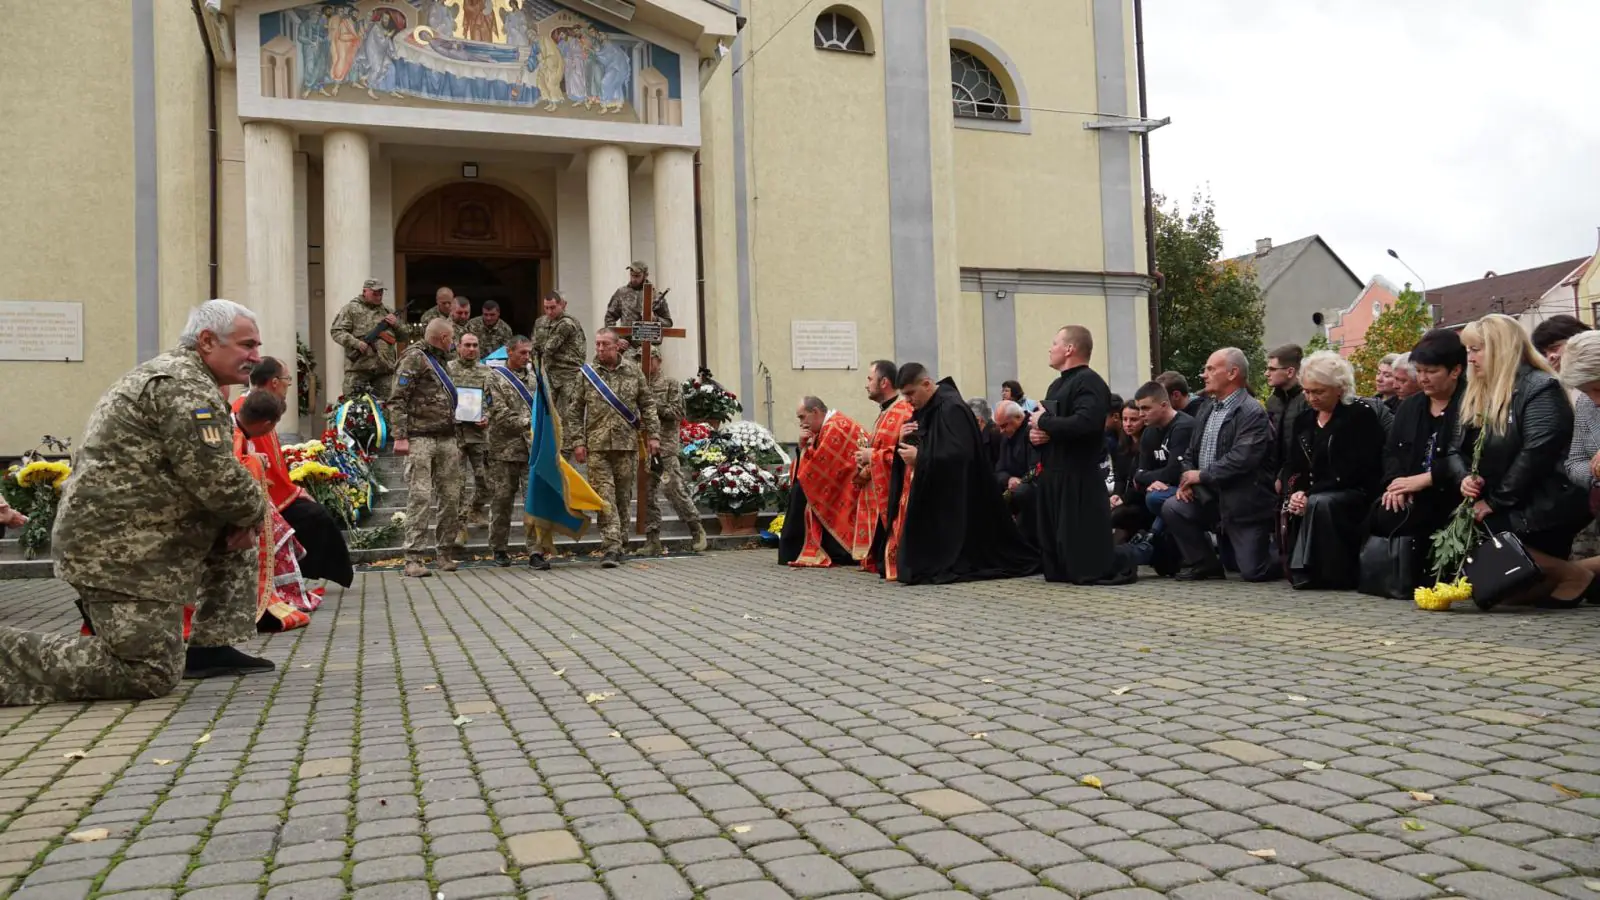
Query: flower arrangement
x=1439, y=597
x=750, y=441
x=385, y=535
x=706, y=401
x=1031, y=476
x=693, y=432
x=363, y=419
x=336, y=473
x=737, y=488
x=33, y=488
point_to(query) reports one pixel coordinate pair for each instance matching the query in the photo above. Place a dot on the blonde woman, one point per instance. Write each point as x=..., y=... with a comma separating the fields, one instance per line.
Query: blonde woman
x=1521, y=485
x=1332, y=472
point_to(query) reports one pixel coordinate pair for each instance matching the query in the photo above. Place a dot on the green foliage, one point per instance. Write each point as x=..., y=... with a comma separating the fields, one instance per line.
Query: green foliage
x=1319, y=341
x=1207, y=303
x=1396, y=330
x=1453, y=542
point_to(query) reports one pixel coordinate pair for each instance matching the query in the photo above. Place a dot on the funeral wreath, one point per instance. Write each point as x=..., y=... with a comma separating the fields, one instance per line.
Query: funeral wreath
x=737, y=488
x=706, y=401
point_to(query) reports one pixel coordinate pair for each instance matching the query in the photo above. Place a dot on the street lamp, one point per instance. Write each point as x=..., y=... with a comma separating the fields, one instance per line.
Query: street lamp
x=1414, y=274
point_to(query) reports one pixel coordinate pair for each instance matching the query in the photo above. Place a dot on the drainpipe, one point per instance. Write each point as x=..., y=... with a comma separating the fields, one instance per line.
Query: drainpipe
x=212, y=137
x=1153, y=305
x=700, y=263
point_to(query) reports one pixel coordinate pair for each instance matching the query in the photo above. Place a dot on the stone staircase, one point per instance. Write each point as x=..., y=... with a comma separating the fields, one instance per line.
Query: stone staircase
x=675, y=533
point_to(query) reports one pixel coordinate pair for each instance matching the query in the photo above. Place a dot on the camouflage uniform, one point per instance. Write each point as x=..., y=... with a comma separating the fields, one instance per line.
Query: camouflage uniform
x=559, y=347
x=459, y=328
x=423, y=412
x=474, y=442
x=510, y=424
x=669, y=475
x=627, y=307
x=371, y=373
x=154, y=491
x=612, y=443
x=430, y=315
x=490, y=337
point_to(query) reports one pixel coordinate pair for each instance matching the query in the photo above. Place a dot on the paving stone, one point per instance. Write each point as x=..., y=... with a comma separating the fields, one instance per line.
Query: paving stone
x=1492, y=886
x=148, y=871
x=946, y=803
x=811, y=876
x=1508, y=861
x=544, y=847
x=1084, y=878
x=648, y=882
x=1371, y=880
x=989, y=877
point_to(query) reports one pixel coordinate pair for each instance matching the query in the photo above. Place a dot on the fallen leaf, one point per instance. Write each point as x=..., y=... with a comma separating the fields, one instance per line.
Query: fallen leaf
x=1298, y=699
x=1592, y=885
x=1387, y=643
x=600, y=696
x=461, y=720
x=1264, y=853
x=1312, y=764
x=1412, y=825
x=76, y=754
x=1565, y=790
x=980, y=735
x=306, y=666
x=430, y=687
x=162, y=762
x=1118, y=692
x=987, y=680
x=616, y=734
x=90, y=836
x=739, y=829
x=1422, y=797
x=1144, y=649
x=559, y=672
x=1091, y=781
x=203, y=739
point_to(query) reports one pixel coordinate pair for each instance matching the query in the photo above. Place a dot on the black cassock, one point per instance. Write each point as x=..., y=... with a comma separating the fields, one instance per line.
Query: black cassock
x=792, y=539
x=957, y=527
x=1072, y=510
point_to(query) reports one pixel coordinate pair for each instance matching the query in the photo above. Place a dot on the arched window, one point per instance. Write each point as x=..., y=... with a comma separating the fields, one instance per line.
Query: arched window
x=837, y=30
x=977, y=93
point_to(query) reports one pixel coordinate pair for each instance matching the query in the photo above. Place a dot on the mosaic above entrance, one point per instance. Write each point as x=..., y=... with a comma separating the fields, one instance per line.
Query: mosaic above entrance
x=534, y=55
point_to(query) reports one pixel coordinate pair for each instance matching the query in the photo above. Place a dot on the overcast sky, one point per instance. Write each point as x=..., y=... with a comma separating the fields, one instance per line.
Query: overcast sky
x=1465, y=134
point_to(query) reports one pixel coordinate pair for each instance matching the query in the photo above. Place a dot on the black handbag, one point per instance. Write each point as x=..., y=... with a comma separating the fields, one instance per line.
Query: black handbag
x=1390, y=567
x=1497, y=568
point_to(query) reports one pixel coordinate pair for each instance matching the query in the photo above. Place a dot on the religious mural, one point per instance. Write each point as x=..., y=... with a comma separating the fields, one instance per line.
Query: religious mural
x=534, y=55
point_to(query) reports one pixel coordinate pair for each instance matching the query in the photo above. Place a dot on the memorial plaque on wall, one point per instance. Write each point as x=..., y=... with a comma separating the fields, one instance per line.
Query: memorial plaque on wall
x=823, y=345
x=41, y=330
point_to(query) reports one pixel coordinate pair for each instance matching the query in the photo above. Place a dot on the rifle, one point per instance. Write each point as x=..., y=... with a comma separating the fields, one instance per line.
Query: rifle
x=352, y=354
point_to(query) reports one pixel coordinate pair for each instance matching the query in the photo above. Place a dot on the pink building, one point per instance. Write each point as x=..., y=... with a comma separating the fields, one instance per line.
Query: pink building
x=1351, y=328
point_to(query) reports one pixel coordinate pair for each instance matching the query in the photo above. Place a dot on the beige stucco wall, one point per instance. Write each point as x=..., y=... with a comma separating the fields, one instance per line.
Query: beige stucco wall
x=1032, y=201
x=1589, y=289
x=819, y=213
x=1039, y=316
x=67, y=141
x=718, y=227
x=183, y=187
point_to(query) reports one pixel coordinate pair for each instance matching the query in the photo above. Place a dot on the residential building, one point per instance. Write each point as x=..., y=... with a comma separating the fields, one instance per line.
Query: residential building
x=1530, y=295
x=1303, y=283
x=868, y=179
x=1348, y=328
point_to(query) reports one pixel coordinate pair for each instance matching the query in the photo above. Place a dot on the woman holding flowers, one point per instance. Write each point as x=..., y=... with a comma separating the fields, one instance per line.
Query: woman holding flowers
x=1521, y=485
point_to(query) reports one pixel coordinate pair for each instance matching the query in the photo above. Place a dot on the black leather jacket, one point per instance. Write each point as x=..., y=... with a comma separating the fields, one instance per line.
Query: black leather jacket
x=1522, y=468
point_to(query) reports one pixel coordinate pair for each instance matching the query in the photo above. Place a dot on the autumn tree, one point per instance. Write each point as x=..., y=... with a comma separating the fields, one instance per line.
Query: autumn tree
x=1206, y=302
x=1396, y=330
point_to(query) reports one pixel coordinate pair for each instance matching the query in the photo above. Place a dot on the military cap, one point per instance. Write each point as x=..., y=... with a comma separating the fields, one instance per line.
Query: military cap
x=639, y=267
x=372, y=284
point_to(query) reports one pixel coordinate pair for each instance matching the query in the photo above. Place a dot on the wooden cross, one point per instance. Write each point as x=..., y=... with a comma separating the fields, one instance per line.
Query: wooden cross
x=647, y=296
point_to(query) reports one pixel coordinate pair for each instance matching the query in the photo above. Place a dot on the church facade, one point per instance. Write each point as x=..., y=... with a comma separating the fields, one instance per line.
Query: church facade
x=817, y=185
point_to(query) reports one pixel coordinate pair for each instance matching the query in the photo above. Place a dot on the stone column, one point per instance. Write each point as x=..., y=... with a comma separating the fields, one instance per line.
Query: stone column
x=269, y=244
x=610, y=236
x=676, y=266
x=346, y=236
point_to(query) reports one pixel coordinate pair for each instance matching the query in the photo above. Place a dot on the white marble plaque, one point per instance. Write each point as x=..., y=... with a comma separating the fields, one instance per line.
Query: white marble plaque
x=823, y=345
x=41, y=330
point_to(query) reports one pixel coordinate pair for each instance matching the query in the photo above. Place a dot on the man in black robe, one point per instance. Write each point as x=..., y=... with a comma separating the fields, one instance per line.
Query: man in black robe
x=1073, y=510
x=955, y=526
x=1014, y=470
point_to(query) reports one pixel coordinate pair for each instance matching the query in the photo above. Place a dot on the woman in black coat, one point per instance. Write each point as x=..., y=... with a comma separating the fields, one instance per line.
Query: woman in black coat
x=1334, y=470
x=1413, y=504
x=1521, y=486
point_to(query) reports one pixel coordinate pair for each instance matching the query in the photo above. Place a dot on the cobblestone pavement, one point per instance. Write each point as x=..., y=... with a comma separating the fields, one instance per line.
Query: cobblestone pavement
x=724, y=729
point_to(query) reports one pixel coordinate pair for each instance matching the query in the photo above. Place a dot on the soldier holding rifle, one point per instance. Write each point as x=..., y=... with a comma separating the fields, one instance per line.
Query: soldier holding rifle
x=365, y=328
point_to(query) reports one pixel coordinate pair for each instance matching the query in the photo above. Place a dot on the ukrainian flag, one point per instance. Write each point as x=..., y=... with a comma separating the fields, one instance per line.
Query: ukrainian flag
x=559, y=499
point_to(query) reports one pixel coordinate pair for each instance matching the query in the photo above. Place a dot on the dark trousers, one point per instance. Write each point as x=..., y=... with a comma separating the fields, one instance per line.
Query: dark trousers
x=1189, y=525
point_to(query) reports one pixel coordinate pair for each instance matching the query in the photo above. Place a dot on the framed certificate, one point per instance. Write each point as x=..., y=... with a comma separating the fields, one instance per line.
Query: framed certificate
x=469, y=404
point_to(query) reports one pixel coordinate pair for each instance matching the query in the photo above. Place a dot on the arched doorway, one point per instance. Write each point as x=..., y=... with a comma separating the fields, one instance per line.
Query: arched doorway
x=480, y=240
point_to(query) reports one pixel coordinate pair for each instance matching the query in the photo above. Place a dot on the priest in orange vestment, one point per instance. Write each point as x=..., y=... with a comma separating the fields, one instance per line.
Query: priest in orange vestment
x=874, y=462
x=820, y=528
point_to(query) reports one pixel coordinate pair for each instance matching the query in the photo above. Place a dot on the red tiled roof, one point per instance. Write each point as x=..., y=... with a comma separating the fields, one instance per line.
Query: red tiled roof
x=1511, y=293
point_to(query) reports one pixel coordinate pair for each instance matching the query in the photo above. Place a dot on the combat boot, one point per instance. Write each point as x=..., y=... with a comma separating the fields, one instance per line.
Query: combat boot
x=612, y=560
x=448, y=565
x=697, y=529
x=415, y=569
x=502, y=558
x=652, y=545
x=537, y=562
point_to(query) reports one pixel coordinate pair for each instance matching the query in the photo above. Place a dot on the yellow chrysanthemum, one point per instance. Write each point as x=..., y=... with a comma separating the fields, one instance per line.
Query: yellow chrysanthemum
x=40, y=472
x=777, y=524
x=313, y=471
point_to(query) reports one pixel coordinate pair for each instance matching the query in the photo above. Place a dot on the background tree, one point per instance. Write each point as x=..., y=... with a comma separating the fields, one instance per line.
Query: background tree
x=1396, y=330
x=1319, y=341
x=1206, y=302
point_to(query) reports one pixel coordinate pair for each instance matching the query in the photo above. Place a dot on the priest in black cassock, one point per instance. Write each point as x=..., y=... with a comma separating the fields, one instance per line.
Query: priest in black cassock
x=1071, y=506
x=954, y=525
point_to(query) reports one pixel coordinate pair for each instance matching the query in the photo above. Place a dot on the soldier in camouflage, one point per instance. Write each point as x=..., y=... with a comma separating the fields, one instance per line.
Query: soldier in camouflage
x=460, y=315
x=602, y=437
x=157, y=519
x=371, y=369
x=467, y=372
x=492, y=331
x=422, y=418
x=667, y=475
x=558, y=352
x=510, y=425
x=444, y=300
x=627, y=304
